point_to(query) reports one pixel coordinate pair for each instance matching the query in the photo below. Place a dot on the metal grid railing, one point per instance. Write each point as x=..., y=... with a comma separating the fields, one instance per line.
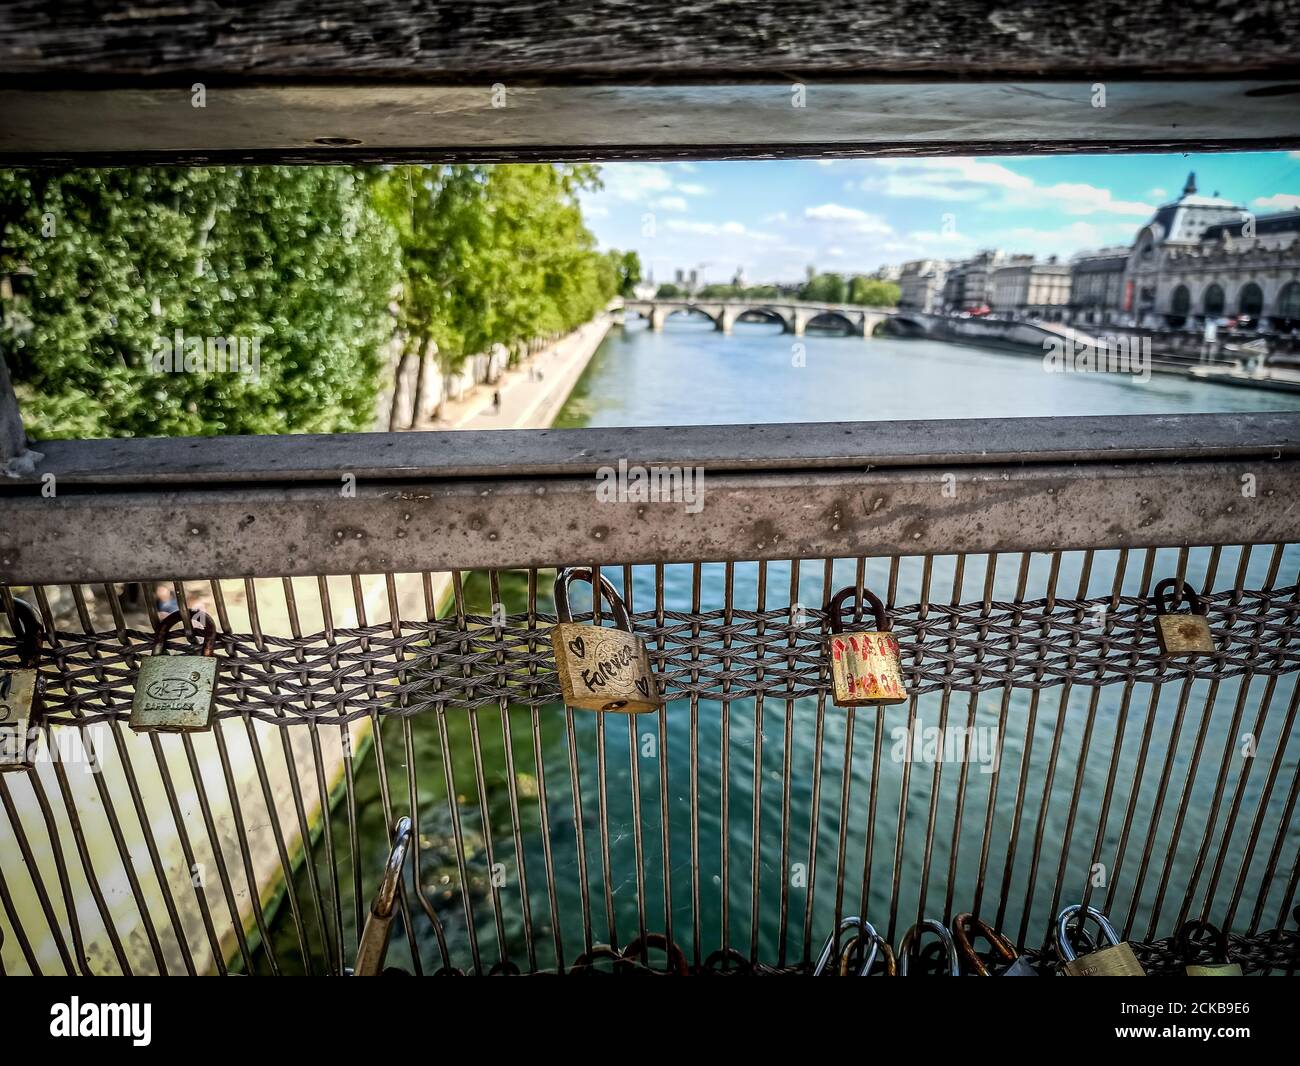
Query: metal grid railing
x=1048, y=755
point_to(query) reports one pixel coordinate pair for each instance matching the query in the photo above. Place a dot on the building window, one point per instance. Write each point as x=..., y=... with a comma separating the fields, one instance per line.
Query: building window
x=1251, y=300
x=1179, y=305
x=1287, y=313
x=1213, y=303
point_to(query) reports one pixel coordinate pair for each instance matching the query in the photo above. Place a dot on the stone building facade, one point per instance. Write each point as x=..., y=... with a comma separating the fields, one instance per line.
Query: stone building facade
x=920, y=285
x=1097, y=286
x=1248, y=270
x=1025, y=288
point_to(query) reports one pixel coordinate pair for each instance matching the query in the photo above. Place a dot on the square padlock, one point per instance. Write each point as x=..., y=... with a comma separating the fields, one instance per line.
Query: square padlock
x=601, y=668
x=19, y=692
x=174, y=694
x=1181, y=634
x=1184, y=634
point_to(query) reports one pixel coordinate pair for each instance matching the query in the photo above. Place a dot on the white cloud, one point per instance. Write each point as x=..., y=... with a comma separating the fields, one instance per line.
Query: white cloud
x=966, y=179
x=670, y=203
x=853, y=218
x=635, y=181
x=1282, y=201
x=1066, y=240
x=640, y=182
x=1076, y=198
x=1158, y=192
x=715, y=229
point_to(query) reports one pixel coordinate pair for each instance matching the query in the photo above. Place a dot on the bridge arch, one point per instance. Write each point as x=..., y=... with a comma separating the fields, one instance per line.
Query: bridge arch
x=830, y=317
x=690, y=311
x=767, y=313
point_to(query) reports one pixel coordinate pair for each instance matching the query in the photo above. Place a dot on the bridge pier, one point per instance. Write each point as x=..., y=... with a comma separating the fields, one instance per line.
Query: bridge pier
x=657, y=316
x=799, y=321
x=727, y=319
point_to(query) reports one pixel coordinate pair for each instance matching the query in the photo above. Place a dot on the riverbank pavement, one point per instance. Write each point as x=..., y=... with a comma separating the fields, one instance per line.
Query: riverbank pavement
x=527, y=402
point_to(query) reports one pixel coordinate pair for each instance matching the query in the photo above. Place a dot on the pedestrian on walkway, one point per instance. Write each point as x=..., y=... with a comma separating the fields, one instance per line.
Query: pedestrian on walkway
x=496, y=401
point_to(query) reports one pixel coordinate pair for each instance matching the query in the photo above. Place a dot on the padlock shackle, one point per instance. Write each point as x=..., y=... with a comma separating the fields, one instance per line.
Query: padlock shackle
x=966, y=927
x=565, y=577
x=930, y=925
x=165, y=624
x=1188, y=594
x=30, y=633
x=372, y=946
x=1064, y=949
x=831, y=949
x=1186, y=948
x=382, y=906
x=835, y=609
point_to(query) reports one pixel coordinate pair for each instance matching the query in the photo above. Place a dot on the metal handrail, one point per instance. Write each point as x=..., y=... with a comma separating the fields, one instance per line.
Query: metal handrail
x=271, y=507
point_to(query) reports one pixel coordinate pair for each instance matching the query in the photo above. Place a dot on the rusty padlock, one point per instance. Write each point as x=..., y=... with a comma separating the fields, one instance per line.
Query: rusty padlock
x=1182, y=634
x=176, y=693
x=21, y=689
x=865, y=666
x=601, y=668
x=966, y=927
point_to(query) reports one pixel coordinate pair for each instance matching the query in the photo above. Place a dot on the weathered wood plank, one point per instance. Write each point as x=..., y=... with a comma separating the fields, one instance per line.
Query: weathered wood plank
x=395, y=123
x=627, y=40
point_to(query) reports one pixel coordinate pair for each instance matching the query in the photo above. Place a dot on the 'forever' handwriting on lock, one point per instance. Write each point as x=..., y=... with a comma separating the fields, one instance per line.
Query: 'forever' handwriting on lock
x=607, y=669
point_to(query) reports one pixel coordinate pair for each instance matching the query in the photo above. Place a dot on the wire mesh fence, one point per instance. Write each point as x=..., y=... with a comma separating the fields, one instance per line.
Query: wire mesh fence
x=1048, y=754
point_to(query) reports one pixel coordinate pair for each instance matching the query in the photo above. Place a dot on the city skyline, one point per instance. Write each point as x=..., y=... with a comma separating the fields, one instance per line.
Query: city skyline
x=775, y=218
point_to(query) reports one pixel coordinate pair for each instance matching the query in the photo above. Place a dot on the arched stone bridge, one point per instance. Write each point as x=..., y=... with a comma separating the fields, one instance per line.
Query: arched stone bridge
x=794, y=315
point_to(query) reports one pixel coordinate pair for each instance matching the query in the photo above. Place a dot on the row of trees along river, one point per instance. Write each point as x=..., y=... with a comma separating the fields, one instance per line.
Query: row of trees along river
x=344, y=276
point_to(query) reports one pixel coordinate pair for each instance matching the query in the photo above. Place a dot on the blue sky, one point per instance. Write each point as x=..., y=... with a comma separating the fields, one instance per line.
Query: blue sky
x=777, y=217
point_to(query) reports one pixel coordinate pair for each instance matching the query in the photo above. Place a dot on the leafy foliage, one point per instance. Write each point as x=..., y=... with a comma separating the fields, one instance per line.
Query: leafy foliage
x=107, y=265
x=494, y=255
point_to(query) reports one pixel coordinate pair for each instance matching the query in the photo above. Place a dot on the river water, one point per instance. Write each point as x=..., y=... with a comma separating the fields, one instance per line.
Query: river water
x=1165, y=753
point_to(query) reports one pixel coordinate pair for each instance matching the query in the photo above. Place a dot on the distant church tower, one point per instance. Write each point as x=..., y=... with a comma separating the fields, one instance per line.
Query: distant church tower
x=1190, y=188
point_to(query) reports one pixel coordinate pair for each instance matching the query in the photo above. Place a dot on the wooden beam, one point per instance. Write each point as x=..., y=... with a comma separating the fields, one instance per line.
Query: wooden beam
x=628, y=41
x=398, y=123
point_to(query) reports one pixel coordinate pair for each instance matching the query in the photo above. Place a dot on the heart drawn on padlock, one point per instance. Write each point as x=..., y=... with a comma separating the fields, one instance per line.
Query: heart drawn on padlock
x=643, y=687
x=578, y=646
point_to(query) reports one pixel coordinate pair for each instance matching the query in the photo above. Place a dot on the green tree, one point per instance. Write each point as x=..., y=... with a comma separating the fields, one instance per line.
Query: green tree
x=108, y=266
x=825, y=288
x=490, y=255
x=627, y=267
x=873, y=292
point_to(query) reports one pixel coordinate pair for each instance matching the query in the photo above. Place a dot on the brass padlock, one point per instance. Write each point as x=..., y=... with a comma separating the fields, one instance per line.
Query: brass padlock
x=176, y=693
x=907, y=945
x=1113, y=959
x=21, y=690
x=601, y=669
x=1182, y=634
x=865, y=666
x=966, y=927
x=1185, y=943
x=372, y=946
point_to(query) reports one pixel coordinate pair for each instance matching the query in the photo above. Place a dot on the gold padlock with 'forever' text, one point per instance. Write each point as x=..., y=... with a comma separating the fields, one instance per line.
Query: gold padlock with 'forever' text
x=601, y=669
x=865, y=666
